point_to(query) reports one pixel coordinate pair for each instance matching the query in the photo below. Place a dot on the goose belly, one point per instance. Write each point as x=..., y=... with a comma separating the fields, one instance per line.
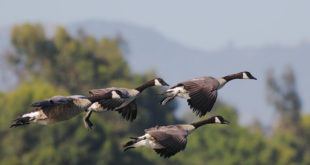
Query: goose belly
x=178, y=91
x=97, y=107
x=149, y=142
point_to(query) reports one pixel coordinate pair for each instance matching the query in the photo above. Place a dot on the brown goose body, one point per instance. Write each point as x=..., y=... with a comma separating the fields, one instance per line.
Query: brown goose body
x=55, y=109
x=122, y=100
x=201, y=93
x=119, y=98
x=169, y=140
x=61, y=112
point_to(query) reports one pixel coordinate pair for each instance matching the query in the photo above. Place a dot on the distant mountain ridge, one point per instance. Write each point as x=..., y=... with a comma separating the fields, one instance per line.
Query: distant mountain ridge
x=175, y=62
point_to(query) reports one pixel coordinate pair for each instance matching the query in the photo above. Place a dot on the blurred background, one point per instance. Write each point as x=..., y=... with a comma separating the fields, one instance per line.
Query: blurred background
x=68, y=47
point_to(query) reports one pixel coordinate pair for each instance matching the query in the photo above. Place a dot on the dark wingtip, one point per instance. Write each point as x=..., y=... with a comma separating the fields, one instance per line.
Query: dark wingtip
x=128, y=114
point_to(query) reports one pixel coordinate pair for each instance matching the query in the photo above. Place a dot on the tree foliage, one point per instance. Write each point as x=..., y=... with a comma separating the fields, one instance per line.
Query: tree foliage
x=65, y=64
x=75, y=64
x=284, y=96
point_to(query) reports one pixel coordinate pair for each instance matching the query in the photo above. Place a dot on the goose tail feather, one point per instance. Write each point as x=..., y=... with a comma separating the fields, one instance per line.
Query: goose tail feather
x=20, y=121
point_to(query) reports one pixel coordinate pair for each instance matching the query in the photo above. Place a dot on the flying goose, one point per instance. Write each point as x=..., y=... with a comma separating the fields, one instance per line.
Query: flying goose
x=55, y=109
x=201, y=93
x=169, y=140
x=118, y=99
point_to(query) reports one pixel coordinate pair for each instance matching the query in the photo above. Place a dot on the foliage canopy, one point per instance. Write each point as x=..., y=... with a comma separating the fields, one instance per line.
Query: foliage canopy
x=65, y=64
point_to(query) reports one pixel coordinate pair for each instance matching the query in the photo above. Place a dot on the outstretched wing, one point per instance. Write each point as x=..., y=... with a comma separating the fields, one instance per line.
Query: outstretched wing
x=173, y=139
x=203, y=94
x=111, y=104
x=130, y=111
x=54, y=101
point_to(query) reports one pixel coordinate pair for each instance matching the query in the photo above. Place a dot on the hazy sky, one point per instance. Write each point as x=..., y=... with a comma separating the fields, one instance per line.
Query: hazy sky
x=202, y=24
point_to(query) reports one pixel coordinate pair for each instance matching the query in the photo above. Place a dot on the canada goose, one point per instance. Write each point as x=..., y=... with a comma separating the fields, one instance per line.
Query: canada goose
x=201, y=93
x=55, y=109
x=118, y=99
x=169, y=140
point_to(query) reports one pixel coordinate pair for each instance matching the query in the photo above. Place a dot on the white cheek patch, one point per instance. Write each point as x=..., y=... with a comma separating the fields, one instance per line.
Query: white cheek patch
x=217, y=120
x=245, y=76
x=115, y=95
x=32, y=114
x=157, y=83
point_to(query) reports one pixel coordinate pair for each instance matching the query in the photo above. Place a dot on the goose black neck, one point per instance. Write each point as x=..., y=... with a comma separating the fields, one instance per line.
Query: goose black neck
x=233, y=76
x=145, y=85
x=203, y=122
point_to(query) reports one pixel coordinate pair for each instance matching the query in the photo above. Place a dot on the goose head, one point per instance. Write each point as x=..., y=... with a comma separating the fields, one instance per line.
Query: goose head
x=160, y=82
x=220, y=120
x=247, y=75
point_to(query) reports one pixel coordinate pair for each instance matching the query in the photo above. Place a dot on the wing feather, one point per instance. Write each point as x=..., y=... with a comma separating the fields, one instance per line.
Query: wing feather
x=172, y=138
x=202, y=93
x=54, y=101
x=129, y=112
x=111, y=104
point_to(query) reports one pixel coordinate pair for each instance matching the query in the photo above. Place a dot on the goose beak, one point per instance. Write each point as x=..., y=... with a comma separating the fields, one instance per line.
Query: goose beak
x=226, y=122
x=165, y=84
x=252, y=77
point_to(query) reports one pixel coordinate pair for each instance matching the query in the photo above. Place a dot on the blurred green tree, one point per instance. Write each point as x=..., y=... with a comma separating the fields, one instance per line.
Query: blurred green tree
x=65, y=64
x=75, y=66
x=284, y=96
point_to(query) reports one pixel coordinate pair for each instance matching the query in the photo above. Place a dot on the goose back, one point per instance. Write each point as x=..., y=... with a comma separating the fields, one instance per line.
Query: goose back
x=60, y=108
x=207, y=82
x=124, y=91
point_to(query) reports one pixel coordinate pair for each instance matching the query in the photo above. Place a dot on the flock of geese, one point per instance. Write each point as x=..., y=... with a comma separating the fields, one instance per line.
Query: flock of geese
x=201, y=94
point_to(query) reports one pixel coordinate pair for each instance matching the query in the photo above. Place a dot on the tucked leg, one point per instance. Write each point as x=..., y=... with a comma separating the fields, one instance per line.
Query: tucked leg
x=87, y=123
x=165, y=100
